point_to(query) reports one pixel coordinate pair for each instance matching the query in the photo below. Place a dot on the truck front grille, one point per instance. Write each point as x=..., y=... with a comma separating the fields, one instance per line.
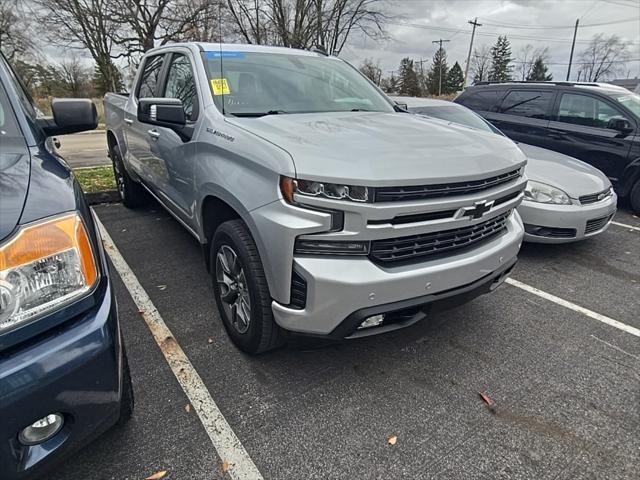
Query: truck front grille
x=416, y=247
x=423, y=192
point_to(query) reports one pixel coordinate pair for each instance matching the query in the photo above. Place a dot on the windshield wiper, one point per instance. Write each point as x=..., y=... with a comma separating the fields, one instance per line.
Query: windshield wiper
x=257, y=114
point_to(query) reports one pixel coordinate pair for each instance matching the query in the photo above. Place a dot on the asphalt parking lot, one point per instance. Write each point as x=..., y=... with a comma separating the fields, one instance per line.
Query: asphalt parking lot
x=566, y=386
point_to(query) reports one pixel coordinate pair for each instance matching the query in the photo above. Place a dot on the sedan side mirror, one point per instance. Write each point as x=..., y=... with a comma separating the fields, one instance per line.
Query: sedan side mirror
x=402, y=106
x=70, y=115
x=620, y=124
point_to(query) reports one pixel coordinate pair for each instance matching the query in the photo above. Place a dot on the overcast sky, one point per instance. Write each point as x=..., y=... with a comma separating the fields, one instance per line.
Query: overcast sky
x=523, y=21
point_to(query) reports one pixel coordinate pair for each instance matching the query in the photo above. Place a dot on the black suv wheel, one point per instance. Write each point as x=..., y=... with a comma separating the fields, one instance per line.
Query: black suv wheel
x=634, y=197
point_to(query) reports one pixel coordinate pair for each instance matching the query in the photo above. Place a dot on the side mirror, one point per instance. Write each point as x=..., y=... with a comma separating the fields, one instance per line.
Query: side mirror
x=620, y=124
x=164, y=112
x=70, y=115
x=402, y=106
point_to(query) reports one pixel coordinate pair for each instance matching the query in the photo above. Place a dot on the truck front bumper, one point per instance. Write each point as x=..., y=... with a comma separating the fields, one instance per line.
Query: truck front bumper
x=74, y=371
x=342, y=292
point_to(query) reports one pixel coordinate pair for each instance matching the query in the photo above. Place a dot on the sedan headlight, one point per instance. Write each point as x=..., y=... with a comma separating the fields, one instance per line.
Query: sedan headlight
x=310, y=188
x=543, y=193
x=45, y=266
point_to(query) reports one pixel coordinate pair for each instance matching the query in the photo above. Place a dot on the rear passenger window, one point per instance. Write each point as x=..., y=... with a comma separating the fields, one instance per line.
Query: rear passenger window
x=483, y=100
x=150, y=76
x=585, y=110
x=527, y=103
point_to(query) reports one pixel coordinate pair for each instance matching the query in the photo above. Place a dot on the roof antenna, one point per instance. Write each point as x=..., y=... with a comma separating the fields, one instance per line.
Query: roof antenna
x=222, y=80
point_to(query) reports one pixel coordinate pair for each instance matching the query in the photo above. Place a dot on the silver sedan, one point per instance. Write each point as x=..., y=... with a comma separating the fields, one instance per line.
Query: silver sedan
x=565, y=200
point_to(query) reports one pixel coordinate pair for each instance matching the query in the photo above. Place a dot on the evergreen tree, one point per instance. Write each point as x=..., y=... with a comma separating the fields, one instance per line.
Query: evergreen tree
x=437, y=76
x=455, y=79
x=102, y=84
x=539, y=72
x=500, y=60
x=408, y=83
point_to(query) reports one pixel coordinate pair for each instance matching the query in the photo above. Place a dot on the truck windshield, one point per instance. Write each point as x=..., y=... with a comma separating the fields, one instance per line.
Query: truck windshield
x=629, y=100
x=256, y=84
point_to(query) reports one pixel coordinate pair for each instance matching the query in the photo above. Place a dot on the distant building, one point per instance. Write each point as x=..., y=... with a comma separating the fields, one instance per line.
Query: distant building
x=632, y=84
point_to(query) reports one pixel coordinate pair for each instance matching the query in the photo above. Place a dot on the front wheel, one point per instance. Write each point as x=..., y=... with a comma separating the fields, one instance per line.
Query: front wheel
x=634, y=197
x=241, y=290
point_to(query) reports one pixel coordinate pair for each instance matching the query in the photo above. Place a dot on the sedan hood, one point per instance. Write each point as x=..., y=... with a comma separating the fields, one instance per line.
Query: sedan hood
x=572, y=176
x=384, y=149
x=14, y=182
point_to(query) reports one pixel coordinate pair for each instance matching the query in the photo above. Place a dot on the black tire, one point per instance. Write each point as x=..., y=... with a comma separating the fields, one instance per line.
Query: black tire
x=634, y=197
x=127, y=401
x=131, y=193
x=261, y=334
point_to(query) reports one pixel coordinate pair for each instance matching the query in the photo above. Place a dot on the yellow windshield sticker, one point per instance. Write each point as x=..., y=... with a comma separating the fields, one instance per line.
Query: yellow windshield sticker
x=220, y=86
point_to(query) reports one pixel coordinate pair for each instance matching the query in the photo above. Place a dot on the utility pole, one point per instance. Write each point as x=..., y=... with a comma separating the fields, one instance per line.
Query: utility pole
x=575, y=32
x=473, y=33
x=440, y=42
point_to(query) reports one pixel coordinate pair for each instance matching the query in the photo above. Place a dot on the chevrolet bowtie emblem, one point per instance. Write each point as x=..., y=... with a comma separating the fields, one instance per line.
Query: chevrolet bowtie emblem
x=477, y=211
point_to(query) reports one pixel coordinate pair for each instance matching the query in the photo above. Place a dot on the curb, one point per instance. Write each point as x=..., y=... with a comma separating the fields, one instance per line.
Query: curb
x=109, y=196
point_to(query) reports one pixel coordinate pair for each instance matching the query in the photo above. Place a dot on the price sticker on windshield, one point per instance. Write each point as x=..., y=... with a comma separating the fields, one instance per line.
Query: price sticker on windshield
x=220, y=86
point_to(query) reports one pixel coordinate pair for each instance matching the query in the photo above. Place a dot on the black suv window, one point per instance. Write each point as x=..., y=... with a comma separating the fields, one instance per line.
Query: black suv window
x=8, y=123
x=181, y=84
x=150, y=75
x=585, y=110
x=527, y=103
x=483, y=100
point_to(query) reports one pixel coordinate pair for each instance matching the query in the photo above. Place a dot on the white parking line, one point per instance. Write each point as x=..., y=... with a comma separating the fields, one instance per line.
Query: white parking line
x=576, y=308
x=626, y=226
x=225, y=441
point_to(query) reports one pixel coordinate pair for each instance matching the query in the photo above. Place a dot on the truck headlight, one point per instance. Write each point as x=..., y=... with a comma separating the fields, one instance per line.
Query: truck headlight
x=310, y=188
x=543, y=193
x=45, y=266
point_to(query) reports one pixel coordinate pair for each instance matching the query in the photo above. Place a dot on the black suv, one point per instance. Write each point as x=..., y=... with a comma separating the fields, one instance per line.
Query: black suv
x=595, y=122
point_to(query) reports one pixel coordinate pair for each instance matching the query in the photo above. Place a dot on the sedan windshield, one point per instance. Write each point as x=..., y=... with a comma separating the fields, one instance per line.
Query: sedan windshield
x=629, y=100
x=456, y=114
x=256, y=84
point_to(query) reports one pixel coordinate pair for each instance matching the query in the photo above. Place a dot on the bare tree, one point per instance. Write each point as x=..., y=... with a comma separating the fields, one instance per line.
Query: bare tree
x=304, y=23
x=527, y=58
x=75, y=76
x=603, y=58
x=15, y=30
x=372, y=70
x=144, y=24
x=82, y=24
x=481, y=63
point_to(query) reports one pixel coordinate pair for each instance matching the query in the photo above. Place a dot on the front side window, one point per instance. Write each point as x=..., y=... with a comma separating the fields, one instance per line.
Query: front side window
x=527, y=103
x=585, y=110
x=483, y=101
x=254, y=84
x=181, y=85
x=629, y=100
x=150, y=77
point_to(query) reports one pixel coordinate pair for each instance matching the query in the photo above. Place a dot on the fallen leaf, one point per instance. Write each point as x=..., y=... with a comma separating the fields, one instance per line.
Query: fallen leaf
x=162, y=287
x=491, y=405
x=124, y=229
x=141, y=312
x=187, y=407
x=392, y=440
x=210, y=340
x=225, y=466
x=157, y=475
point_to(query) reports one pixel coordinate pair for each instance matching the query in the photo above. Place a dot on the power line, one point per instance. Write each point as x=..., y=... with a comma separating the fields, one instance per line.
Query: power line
x=559, y=27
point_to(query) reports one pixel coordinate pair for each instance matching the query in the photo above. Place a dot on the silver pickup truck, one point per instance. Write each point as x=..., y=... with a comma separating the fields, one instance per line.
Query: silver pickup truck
x=322, y=207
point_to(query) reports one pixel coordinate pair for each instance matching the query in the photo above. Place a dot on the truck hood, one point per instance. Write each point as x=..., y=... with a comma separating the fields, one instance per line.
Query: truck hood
x=15, y=163
x=384, y=149
x=572, y=176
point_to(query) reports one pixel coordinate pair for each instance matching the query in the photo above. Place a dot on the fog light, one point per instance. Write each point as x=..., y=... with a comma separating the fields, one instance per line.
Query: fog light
x=372, y=321
x=41, y=430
